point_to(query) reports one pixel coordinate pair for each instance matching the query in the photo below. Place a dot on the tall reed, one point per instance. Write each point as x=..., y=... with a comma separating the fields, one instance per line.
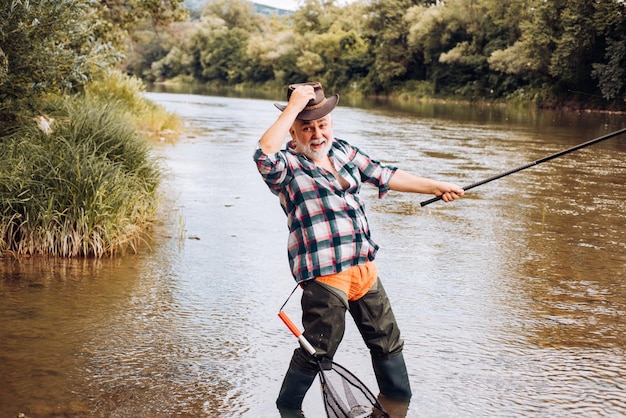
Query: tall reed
x=89, y=188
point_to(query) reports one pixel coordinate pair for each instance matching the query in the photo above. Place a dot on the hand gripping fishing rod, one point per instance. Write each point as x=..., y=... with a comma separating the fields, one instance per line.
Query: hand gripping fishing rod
x=534, y=163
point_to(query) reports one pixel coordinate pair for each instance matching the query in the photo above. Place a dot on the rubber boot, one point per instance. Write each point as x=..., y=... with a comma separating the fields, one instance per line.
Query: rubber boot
x=395, y=408
x=392, y=378
x=295, y=385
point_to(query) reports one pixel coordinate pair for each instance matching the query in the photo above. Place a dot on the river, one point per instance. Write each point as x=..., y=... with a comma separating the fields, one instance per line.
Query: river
x=512, y=300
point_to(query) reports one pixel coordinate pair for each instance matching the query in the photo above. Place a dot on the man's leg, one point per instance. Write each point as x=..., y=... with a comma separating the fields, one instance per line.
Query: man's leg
x=323, y=319
x=377, y=324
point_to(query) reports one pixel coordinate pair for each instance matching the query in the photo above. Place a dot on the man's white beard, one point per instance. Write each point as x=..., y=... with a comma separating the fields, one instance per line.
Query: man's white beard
x=318, y=154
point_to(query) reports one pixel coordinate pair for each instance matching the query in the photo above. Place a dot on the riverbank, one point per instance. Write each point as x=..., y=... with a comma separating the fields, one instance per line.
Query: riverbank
x=531, y=100
x=83, y=181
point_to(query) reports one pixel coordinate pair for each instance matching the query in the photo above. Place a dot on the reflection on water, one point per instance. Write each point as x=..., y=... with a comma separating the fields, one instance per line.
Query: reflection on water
x=511, y=301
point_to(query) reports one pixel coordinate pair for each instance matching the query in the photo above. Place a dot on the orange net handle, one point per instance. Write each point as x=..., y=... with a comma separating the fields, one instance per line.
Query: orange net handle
x=292, y=327
x=295, y=331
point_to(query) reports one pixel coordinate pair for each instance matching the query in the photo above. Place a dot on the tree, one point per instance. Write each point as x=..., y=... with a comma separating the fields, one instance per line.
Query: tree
x=480, y=29
x=467, y=48
x=440, y=34
x=314, y=16
x=46, y=47
x=234, y=13
x=274, y=54
x=530, y=56
x=56, y=46
x=610, y=21
x=330, y=42
x=225, y=58
x=574, y=50
x=387, y=33
x=611, y=75
x=136, y=27
x=123, y=16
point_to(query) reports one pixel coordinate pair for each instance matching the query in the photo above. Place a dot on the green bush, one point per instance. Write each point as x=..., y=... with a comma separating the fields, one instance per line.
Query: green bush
x=114, y=86
x=89, y=188
x=127, y=94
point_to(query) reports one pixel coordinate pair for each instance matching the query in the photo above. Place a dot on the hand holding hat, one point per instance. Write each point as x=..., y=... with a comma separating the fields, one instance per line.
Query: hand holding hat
x=317, y=106
x=301, y=96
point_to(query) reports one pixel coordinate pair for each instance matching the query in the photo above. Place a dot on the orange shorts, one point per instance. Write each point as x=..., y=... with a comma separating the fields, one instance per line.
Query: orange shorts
x=355, y=281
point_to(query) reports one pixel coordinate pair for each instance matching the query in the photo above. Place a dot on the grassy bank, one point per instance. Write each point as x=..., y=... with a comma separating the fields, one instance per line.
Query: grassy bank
x=87, y=185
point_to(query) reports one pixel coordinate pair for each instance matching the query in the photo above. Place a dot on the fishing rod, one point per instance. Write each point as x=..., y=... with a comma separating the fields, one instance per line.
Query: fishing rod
x=534, y=163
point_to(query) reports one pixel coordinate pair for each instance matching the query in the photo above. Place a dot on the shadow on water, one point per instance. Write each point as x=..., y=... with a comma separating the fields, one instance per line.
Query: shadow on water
x=511, y=300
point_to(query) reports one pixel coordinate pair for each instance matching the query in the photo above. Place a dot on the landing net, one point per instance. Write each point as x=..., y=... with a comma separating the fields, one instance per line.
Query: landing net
x=345, y=396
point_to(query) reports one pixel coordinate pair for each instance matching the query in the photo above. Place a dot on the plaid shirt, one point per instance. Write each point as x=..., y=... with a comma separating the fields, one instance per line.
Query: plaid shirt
x=328, y=229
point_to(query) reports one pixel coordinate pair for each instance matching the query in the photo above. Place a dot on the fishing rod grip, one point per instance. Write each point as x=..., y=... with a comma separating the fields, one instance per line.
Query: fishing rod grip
x=435, y=199
x=295, y=331
x=429, y=201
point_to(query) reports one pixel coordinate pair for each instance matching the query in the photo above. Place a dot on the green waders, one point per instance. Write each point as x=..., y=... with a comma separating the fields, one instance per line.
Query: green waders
x=323, y=317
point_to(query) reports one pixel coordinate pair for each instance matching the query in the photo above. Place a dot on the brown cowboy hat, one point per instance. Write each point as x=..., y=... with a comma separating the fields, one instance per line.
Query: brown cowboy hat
x=316, y=108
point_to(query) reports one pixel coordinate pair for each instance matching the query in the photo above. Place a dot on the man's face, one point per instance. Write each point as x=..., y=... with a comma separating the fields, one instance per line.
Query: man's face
x=313, y=138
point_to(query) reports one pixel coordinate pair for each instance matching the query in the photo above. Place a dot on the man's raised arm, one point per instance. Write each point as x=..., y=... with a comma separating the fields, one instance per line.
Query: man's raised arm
x=272, y=140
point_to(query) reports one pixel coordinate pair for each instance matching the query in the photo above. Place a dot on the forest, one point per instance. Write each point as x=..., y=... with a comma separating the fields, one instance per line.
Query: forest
x=545, y=52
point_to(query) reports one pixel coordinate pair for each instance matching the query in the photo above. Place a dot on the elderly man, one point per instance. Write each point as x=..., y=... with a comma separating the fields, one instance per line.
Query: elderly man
x=317, y=179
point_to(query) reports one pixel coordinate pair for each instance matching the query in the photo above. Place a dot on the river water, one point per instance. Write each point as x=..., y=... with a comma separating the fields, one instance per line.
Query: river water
x=512, y=300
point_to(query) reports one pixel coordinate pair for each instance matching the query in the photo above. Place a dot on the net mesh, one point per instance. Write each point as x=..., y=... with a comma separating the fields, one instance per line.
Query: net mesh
x=345, y=396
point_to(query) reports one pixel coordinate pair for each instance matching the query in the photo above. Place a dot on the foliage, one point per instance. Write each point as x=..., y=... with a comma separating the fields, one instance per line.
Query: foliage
x=126, y=94
x=122, y=16
x=58, y=46
x=611, y=75
x=89, y=188
x=474, y=49
x=46, y=47
x=81, y=182
x=388, y=38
